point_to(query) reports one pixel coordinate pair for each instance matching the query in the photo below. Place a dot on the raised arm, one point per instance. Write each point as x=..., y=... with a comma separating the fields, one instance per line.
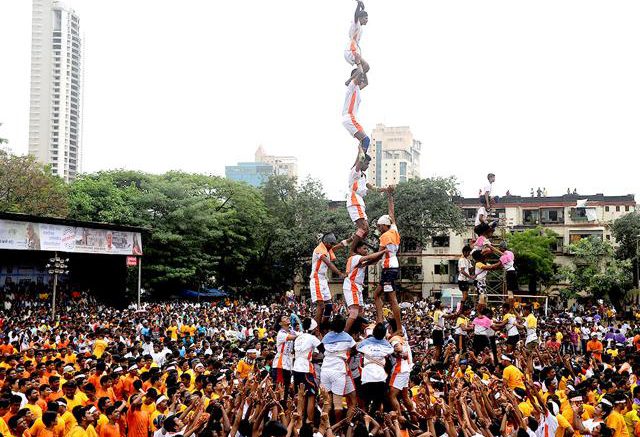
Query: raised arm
x=392, y=213
x=359, y=9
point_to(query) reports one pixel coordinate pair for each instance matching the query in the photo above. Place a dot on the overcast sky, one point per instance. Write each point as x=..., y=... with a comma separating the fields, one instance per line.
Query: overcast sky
x=543, y=93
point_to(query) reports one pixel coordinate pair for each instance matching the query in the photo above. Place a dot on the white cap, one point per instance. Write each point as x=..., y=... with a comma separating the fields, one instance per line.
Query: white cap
x=68, y=369
x=199, y=365
x=384, y=220
x=134, y=367
x=117, y=369
x=252, y=351
x=161, y=399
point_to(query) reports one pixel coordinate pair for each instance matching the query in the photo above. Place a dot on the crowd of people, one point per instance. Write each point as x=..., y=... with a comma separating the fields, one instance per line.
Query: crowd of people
x=249, y=368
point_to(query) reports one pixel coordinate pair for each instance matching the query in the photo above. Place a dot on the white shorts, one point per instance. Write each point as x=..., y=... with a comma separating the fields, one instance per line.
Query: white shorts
x=319, y=290
x=351, y=124
x=352, y=297
x=338, y=383
x=357, y=212
x=400, y=380
x=349, y=57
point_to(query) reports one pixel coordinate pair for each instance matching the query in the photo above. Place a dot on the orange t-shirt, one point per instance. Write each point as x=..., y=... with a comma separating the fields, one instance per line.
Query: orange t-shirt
x=595, y=347
x=109, y=430
x=44, y=432
x=138, y=423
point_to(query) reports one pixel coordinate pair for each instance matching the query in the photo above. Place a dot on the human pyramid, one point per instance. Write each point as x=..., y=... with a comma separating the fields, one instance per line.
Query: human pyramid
x=389, y=241
x=359, y=256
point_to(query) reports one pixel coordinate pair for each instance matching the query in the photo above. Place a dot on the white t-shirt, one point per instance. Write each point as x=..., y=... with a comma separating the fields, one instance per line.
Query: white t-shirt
x=374, y=353
x=550, y=424
x=336, y=354
x=511, y=327
x=482, y=211
x=352, y=96
x=355, y=33
x=303, y=346
x=464, y=265
x=488, y=189
x=284, y=351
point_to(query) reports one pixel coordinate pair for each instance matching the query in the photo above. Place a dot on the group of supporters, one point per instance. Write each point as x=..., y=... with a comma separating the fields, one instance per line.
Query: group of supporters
x=244, y=368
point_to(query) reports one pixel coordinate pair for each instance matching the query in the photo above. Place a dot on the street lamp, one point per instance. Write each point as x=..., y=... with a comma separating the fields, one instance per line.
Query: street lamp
x=57, y=266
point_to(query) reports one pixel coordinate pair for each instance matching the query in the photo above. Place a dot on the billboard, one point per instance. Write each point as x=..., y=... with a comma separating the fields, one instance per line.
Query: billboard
x=43, y=236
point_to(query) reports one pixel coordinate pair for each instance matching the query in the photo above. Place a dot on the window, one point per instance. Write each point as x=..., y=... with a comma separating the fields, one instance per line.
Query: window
x=558, y=245
x=411, y=273
x=410, y=245
x=469, y=215
x=608, y=237
x=549, y=215
x=440, y=241
x=626, y=208
x=441, y=269
x=531, y=216
x=618, y=208
x=575, y=236
x=606, y=208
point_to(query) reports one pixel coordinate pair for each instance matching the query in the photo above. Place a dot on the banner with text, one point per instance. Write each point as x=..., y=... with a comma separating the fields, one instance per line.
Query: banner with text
x=42, y=236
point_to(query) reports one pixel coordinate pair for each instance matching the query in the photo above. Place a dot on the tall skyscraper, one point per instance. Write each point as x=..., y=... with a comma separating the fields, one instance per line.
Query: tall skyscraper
x=395, y=155
x=55, y=119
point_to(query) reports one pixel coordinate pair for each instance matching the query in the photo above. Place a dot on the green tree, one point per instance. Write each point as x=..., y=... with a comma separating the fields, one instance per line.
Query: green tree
x=424, y=208
x=30, y=188
x=534, y=257
x=626, y=231
x=202, y=229
x=296, y=215
x=596, y=271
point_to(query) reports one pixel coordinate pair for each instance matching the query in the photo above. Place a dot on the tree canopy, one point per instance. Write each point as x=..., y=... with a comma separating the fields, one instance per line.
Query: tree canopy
x=596, y=272
x=30, y=188
x=210, y=231
x=534, y=256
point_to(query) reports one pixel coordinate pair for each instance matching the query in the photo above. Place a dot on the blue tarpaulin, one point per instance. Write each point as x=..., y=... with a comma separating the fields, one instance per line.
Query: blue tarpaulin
x=211, y=293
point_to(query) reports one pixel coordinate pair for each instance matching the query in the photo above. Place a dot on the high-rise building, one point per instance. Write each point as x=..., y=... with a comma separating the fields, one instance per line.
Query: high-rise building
x=55, y=119
x=395, y=155
x=282, y=165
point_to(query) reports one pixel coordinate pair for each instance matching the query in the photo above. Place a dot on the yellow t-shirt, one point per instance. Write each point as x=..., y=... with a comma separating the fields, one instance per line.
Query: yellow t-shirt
x=513, y=377
x=525, y=408
x=616, y=422
x=531, y=321
x=563, y=424
x=77, y=431
x=98, y=347
x=173, y=332
x=35, y=410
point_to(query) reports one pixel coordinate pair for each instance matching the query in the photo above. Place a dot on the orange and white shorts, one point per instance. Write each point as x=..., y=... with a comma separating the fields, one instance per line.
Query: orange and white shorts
x=356, y=212
x=399, y=381
x=350, y=57
x=319, y=290
x=352, y=297
x=351, y=124
x=338, y=383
